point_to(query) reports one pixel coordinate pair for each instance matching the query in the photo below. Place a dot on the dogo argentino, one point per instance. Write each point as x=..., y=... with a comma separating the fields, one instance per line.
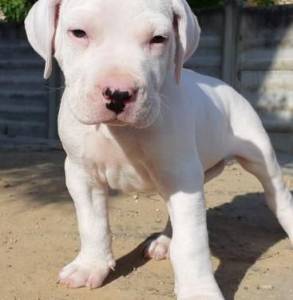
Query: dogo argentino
x=132, y=118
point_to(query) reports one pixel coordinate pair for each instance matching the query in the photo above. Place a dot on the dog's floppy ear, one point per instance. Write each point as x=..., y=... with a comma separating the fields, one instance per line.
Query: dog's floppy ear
x=40, y=25
x=187, y=32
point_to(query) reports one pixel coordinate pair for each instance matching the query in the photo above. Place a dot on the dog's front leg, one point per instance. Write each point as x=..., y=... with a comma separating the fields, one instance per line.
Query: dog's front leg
x=95, y=260
x=189, y=248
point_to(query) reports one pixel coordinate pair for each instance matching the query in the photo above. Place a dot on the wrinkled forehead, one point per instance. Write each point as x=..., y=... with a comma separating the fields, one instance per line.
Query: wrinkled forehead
x=117, y=10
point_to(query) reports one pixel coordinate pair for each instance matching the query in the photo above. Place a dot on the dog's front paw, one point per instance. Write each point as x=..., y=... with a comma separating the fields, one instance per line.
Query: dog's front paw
x=89, y=274
x=158, y=248
x=204, y=289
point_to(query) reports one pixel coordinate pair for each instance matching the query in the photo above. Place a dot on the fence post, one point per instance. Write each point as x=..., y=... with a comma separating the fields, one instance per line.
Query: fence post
x=231, y=14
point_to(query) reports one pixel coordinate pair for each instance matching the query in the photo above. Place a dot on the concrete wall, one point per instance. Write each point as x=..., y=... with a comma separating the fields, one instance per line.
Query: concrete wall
x=265, y=64
x=261, y=68
x=208, y=57
x=27, y=102
x=23, y=93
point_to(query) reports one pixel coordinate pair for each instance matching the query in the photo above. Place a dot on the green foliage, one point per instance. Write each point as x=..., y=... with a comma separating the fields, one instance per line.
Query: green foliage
x=264, y=2
x=15, y=10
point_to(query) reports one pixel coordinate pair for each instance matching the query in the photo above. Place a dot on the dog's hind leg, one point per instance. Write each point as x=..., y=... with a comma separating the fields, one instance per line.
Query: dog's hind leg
x=254, y=152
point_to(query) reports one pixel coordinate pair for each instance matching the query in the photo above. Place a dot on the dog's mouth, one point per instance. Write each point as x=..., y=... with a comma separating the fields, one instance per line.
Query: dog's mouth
x=116, y=122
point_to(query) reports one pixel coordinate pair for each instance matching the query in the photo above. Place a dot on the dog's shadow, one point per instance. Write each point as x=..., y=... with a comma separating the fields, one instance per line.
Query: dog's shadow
x=240, y=232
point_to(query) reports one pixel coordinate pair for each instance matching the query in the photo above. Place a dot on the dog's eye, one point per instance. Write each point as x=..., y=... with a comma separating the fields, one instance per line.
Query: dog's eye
x=78, y=33
x=158, y=39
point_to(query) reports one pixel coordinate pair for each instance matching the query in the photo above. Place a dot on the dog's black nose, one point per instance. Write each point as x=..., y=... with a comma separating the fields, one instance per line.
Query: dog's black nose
x=117, y=99
x=117, y=95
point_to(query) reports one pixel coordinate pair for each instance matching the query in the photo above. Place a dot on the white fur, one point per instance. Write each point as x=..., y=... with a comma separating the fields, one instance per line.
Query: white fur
x=167, y=139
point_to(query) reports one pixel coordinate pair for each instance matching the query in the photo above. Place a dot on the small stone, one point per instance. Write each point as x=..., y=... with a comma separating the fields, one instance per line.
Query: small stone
x=265, y=287
x=136, y=197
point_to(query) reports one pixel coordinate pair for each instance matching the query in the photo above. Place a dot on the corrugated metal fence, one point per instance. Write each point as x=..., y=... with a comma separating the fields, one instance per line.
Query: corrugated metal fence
x=250, y=48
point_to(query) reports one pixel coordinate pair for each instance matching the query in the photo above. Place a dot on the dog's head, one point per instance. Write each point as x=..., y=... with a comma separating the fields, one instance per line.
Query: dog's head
x=115, y=55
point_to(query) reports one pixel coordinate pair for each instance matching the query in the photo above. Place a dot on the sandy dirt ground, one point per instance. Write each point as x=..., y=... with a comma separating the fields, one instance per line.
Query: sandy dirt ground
x=38, y=235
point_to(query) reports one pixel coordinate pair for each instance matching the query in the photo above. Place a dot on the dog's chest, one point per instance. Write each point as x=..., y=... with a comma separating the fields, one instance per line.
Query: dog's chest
x=108, y=165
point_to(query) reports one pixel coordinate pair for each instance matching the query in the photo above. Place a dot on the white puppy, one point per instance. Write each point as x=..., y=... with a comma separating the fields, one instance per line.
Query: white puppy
x=132, y=119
